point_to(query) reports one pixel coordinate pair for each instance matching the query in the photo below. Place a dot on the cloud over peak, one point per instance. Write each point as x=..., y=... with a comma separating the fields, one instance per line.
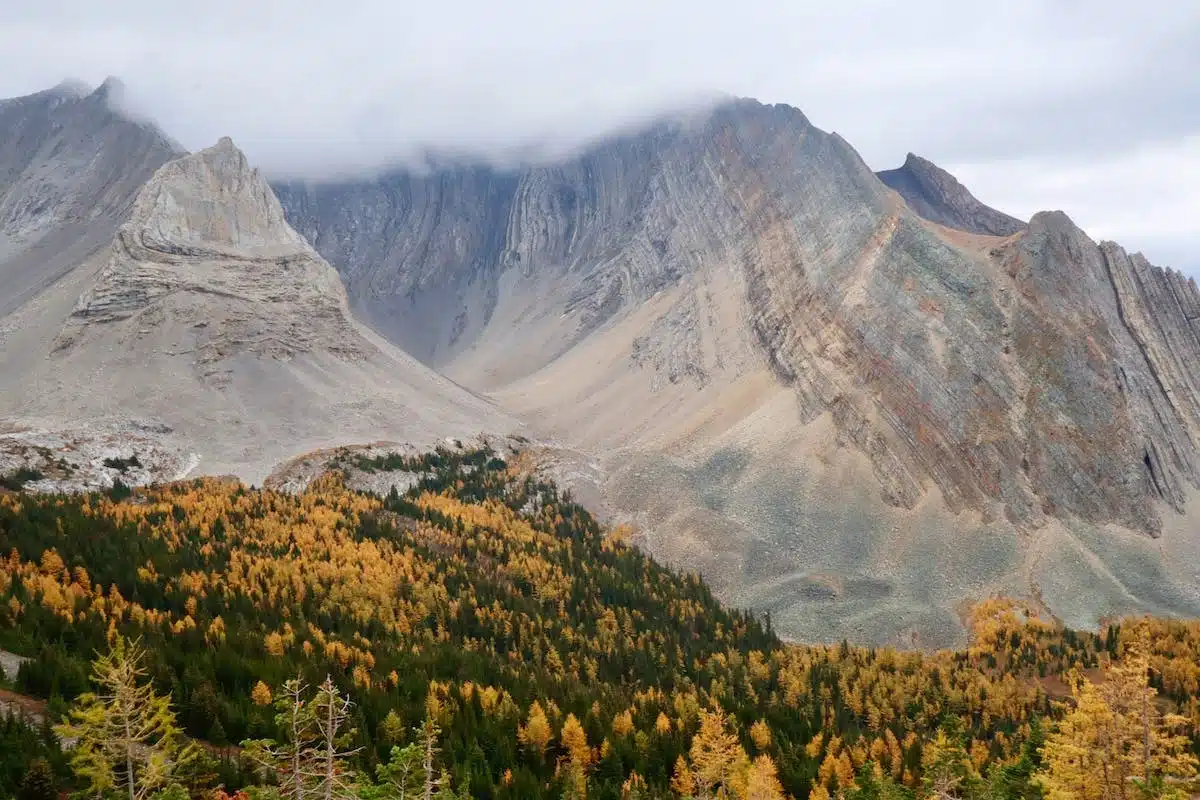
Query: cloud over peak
x=312, y=87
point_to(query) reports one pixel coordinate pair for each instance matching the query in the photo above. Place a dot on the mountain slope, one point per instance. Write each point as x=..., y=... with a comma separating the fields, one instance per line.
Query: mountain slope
x=485, y=597
x=71, y=164
x=937, y=196
x=834, y=408
x=213, y=327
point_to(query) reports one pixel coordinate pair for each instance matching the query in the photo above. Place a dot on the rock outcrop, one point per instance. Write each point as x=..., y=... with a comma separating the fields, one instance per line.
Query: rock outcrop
x=208, y=252
x=851, y=416
x=937, y=196
x=215, y=330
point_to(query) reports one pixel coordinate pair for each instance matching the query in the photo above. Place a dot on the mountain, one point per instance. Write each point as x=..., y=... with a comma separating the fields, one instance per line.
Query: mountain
x=937, y=196
x=214, y=330
x=836, y=409
x=725, y=329
x=71, y=163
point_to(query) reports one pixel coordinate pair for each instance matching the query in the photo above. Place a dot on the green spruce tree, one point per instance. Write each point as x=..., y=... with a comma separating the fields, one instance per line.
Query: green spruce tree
x=39, y=782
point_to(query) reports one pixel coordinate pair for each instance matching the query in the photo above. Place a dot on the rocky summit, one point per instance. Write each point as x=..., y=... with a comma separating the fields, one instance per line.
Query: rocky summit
x=851, y=406
x=937, y=196
x=71, y=163
x=212, y=331
x=204, y=256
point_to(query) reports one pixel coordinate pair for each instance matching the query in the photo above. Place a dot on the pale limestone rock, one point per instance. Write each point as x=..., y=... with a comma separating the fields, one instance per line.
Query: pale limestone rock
x=207, y=243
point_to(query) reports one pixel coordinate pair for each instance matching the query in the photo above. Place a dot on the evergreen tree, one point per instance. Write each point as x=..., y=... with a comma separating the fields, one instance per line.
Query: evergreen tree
x=39, y=782
x=871, y=783
x=1015, y=781
x=127, y=739
x=401, y=777
x=947, y=771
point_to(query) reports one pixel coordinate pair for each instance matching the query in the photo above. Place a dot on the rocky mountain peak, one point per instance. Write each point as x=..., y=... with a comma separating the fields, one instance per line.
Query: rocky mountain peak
x=936, y=195
x=112, y=87
x=213, y=202
x=208, y=259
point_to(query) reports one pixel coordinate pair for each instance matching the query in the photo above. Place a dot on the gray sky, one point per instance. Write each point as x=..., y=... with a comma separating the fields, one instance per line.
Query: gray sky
x=1091, y=106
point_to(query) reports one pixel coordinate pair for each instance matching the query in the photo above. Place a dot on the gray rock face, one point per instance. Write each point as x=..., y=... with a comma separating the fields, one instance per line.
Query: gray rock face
x=208, y=239
x=439, y=237
x=423, y=255
x=737, y=310
x=937, y=196
x=71, y=164
x=216, y=335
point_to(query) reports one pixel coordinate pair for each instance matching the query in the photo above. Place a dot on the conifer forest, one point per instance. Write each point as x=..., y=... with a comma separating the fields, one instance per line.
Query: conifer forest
x=482, y=636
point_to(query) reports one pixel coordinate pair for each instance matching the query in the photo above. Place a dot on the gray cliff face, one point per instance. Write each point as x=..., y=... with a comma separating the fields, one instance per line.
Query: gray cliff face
x=71, y=164
x=207, y=239
x=631, y=297
x=422, y=255
x=937, y=196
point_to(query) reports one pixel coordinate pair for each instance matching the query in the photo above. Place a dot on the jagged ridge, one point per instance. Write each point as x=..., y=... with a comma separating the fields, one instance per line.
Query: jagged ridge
x=937, y=196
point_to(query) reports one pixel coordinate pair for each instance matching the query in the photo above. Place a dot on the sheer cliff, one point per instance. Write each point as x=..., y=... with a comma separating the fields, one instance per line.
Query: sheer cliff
x=835, y=407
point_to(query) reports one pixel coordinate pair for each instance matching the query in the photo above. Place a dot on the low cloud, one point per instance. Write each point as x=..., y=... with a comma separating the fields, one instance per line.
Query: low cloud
x=1015, y=92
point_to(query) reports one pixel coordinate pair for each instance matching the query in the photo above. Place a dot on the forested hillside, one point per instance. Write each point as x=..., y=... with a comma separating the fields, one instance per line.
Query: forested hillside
x=485, y=617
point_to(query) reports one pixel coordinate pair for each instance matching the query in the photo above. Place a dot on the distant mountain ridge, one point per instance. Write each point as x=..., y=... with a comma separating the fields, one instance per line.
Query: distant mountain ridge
x=937, y=196
x=70, y=165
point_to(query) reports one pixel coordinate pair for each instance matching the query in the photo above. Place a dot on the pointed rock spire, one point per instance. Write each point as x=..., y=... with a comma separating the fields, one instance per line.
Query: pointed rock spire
x=214, y=201
x=936, y=195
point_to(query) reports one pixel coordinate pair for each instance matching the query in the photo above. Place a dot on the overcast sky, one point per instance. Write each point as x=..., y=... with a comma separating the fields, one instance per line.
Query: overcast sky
x=1090, y=106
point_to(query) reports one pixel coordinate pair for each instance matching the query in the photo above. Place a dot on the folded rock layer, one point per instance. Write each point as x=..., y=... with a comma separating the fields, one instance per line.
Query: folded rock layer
x=1014, y=376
